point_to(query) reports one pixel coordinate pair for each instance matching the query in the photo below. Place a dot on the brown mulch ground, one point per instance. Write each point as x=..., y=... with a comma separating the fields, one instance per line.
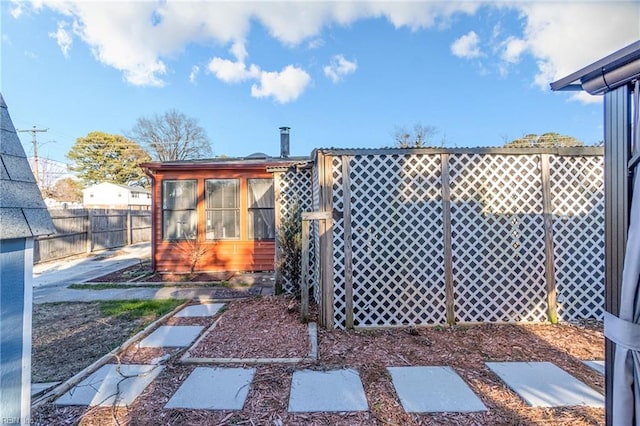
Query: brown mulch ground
x=370, y=352
x=276, y=332
x=142, y=273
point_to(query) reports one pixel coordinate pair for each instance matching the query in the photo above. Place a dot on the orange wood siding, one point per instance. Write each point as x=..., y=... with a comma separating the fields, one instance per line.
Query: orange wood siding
x=221, y=255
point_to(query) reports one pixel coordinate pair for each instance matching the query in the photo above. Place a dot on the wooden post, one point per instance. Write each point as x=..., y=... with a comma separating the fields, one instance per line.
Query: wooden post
x=307, y=217
x=549, y=266
x=129, y=227
x=446, y=234
x=348, y=242
x=89, y=222
x=304, y=279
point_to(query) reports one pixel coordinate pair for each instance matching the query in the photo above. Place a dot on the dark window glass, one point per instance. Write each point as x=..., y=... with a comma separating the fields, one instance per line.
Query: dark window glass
x=261, y=204
x=179, y=216
x=222, y=199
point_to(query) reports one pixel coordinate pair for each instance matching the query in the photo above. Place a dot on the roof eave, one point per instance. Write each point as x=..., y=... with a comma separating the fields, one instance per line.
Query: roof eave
x=614, y=70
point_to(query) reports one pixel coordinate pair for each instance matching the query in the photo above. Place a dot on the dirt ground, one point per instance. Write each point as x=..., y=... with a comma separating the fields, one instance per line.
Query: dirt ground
x=68, y=337
x=245, y=325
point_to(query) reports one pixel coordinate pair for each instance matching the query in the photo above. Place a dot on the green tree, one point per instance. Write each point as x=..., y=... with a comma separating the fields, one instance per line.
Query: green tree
x=546, y=140
x=102, y=157
x=172, y=136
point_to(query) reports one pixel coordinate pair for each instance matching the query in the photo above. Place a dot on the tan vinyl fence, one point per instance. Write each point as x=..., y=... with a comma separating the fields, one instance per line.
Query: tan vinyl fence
x=87, y=230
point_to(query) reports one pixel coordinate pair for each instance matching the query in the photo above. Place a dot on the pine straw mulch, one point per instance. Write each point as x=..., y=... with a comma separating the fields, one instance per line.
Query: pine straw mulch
x=465, y=348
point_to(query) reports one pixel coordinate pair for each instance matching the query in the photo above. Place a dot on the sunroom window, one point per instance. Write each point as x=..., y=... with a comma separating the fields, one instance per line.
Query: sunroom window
x=179, y=216
x=261, y=209
x=222, y=209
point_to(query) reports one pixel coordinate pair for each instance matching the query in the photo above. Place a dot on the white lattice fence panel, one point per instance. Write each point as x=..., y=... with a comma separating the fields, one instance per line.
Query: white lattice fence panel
x=339, y=296
x=577, y=193
x=497, y=238
x=396, y=214
x=295, y=187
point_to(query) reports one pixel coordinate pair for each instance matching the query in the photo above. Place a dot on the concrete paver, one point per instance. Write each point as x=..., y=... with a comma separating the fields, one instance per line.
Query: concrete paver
x=171, y=336
x=596, y=365
x=213, y=389
x=37, y=388
x=111, y=385
x=334, y=391
x=81, y=269
x=202, y=310
x=433, y=389
x=543, y=384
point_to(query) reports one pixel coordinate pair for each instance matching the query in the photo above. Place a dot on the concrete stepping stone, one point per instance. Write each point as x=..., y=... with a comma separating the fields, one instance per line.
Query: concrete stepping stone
x=171, y=336
x=203, y=310
x=337, y=390
x=543, y=384
x=595, y=365
x=111, y=385
x=38, y=388
x=433, y=389
x=213, y=389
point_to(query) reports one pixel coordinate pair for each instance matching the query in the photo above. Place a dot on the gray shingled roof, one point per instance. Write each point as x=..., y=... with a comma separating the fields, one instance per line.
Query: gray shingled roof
x=22, y=210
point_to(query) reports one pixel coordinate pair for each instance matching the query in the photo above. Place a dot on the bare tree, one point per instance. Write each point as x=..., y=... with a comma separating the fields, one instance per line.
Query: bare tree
x=172, y=136
x=420, y=137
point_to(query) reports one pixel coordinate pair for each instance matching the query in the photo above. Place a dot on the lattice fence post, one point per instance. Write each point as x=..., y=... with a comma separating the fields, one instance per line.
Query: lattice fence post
x=304, y=282
x=446, y=235
x=324, y=219
x=549, y=264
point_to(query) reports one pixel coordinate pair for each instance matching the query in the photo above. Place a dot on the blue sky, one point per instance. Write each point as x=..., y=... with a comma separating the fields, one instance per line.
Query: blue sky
x=340, y=74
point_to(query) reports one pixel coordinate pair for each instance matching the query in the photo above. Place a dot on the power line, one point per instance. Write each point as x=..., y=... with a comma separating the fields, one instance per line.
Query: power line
x=35, y=150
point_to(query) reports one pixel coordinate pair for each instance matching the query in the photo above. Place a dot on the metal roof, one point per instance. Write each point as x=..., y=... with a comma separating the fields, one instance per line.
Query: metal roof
x=22, y=211
x=226, y=163
x=606, y=74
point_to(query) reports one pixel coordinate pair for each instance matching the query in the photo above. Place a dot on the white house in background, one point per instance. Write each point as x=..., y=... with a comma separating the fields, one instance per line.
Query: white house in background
x=113, y=196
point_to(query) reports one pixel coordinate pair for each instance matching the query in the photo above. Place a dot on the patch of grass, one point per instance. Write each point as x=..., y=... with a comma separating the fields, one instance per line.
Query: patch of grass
x=108, y=286
x=100, y=286
x=132, y=309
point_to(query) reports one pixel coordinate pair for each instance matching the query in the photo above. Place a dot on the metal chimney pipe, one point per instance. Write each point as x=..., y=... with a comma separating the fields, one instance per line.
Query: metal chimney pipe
x=284, y=142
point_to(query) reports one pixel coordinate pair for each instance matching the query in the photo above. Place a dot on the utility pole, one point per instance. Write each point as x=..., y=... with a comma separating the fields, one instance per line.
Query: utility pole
x=35, y=151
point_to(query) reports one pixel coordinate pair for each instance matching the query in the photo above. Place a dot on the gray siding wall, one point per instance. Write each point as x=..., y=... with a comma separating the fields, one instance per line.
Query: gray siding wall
x=12, y=326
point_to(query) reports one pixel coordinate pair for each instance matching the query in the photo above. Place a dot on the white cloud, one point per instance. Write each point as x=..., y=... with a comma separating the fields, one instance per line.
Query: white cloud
x=234, y=71
x=63, y=38
x=316, y=43
x=193, y=75
x=339, y=67
x=284, y=86
x=139, y=38
x=17, y=10
x=467, y=46
x=564, y=37
x=513, y=49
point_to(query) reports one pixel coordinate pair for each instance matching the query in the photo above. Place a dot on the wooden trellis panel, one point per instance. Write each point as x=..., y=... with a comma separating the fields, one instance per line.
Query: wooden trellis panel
x=577, y=193
x=339, y=287
x=497, y=235
x=519, y=228
x=293, y=186
x=397, y=241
